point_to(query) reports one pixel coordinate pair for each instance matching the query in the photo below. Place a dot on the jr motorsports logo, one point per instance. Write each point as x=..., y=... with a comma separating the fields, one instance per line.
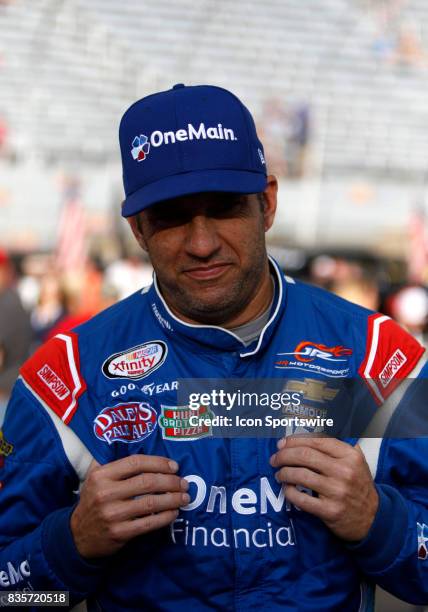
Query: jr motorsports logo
x=175, y=423
x=310, y=356
x=140, y=147
x=136, y=362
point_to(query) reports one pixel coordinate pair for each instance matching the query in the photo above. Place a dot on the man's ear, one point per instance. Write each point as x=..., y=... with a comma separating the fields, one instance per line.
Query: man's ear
x=135, y=225
x=270, y=198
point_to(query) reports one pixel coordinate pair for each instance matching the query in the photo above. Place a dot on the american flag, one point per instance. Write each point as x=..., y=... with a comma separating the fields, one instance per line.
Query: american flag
x=72, y=240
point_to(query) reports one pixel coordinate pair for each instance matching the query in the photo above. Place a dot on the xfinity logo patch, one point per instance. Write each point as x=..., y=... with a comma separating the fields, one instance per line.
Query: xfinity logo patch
x=136, y=362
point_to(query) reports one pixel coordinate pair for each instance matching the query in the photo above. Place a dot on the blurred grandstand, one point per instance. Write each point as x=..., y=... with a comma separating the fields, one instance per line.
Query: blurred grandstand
x=339, y=88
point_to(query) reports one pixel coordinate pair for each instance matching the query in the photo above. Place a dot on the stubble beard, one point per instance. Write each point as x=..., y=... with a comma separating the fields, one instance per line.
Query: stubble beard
x=220, y=306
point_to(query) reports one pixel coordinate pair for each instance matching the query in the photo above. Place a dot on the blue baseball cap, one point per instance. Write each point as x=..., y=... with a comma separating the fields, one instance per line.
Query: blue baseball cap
x=188, y=140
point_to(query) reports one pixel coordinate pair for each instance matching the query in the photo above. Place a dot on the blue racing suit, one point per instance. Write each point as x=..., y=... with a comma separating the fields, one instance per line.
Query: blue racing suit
x=109, y=389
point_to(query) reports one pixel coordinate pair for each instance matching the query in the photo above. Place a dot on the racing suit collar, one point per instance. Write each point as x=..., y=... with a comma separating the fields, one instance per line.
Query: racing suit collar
x=213, y=336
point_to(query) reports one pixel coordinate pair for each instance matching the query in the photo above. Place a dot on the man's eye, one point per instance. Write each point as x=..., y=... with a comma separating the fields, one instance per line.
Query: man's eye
x=229, y=207
x=167, y=217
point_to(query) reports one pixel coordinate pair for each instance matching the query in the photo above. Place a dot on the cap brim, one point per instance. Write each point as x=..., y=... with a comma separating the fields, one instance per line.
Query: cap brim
x=187, y=183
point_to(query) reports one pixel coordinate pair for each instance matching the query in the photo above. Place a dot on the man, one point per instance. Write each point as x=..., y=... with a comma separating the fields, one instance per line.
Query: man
x=169, y=516
x=15, y=332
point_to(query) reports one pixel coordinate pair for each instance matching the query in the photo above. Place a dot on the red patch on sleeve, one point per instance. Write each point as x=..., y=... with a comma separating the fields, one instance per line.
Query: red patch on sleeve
x=53, y=374
x=391, y=355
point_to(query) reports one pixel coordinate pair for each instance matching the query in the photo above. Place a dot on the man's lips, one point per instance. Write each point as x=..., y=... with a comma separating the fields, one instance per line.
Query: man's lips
x=207, y=272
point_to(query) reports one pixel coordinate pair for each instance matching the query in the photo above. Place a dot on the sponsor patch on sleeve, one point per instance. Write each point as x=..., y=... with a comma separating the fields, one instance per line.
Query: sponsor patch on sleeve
x=53, y=375
x=422, y=541
x=391, y=356
x=6, y=448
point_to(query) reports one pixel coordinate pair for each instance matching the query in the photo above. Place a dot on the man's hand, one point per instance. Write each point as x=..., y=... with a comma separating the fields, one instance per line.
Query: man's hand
x=347, y=499
x=124, y=499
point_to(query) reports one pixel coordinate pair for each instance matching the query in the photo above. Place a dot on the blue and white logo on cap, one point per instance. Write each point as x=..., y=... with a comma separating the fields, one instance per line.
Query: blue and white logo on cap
x=140, y=147
x=199, y=138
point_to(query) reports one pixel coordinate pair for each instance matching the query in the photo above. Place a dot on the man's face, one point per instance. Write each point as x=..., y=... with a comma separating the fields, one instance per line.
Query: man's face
x=208, y=251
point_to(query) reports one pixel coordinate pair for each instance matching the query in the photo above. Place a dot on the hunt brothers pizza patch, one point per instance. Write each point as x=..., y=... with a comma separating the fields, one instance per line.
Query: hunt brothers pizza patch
x=175, y=422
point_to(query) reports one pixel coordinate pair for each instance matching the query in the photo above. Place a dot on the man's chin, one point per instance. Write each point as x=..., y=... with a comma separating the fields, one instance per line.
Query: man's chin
x=215, y=310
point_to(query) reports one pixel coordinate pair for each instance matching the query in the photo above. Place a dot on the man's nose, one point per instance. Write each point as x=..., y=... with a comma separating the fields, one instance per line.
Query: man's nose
x=202, y=239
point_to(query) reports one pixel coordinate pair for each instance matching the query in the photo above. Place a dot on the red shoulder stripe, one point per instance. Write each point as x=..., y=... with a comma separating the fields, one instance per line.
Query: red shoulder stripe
x=391, y=355
x=53, y=375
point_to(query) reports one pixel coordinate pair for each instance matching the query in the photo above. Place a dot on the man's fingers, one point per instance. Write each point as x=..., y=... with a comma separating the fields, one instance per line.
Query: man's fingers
x=137, y=464
x=148, y=483
x=140, y=526
x=304, y=501
x=330, y=446
x=304, y=456
x=306, y=478
x=150, y=504
x=122, y=511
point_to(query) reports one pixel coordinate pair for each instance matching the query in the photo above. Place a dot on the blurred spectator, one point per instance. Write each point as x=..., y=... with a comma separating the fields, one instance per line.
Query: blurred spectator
x=409, y=52
x=50, y=307
x=77, y=309
x=409, y=307
x=273, y=130
x=91, y=284
x=15, y=331
x=285, y=132
x=363, y=291
x=325, y=271
x=348, y=279
x=33, y=267
x=3, y=135
x=109, y=295
x=297, y=140
x=128, y=275
x=417, y=246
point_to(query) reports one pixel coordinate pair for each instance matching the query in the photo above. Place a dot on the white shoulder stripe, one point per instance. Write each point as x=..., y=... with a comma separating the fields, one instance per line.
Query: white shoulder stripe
x=375, y=341
x=371, y=450
x=74, y=373
x=384, y=413
x=372, y=354
x=370, y=445
x=290, y=280
x=76, y=452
